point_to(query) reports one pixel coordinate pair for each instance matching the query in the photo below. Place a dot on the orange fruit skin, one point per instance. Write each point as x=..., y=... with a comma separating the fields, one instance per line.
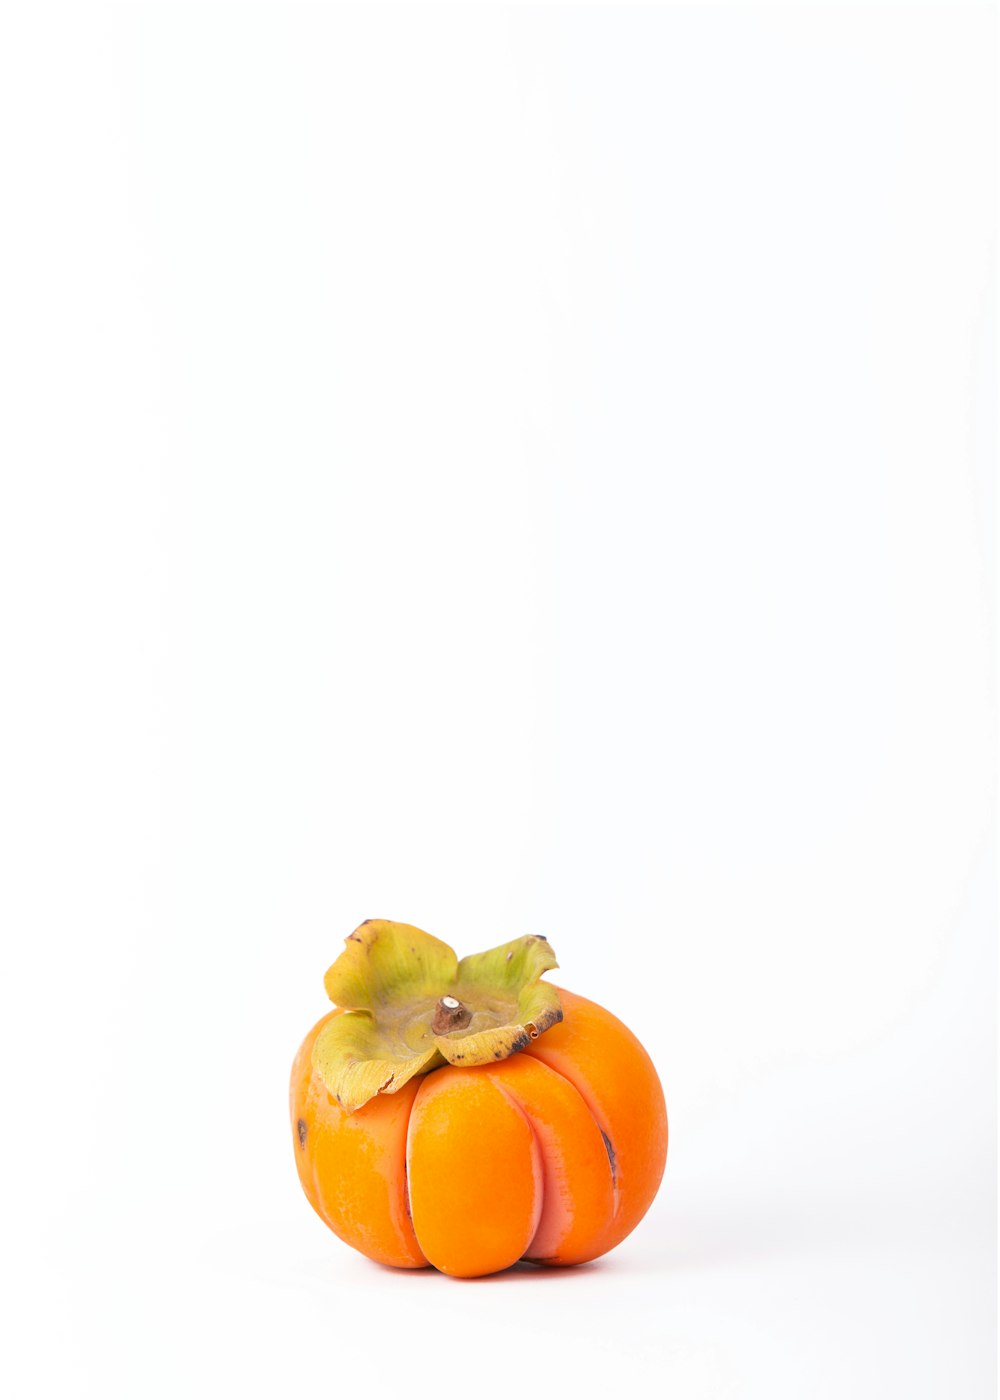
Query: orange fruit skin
x=553, y=1155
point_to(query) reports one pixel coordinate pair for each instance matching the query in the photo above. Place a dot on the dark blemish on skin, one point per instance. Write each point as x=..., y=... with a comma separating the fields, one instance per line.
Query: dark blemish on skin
x=498, y=1054
x=406, y=1191
x=522, y=1040
x=611, y=1157
x=302, y=1129
x=353, y=938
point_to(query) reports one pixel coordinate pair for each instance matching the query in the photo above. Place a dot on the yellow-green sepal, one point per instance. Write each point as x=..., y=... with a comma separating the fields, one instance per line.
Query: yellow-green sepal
x=383, y=962
x=399, y=989
x=356, y=1060
x=509, y=968
x=511, y=1006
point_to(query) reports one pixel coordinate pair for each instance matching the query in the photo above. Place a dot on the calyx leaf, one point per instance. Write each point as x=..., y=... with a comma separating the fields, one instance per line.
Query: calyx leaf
x=383, y=962
x=399, y=988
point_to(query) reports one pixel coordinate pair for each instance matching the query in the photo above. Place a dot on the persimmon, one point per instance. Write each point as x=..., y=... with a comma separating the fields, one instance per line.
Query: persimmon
x=466, y=1114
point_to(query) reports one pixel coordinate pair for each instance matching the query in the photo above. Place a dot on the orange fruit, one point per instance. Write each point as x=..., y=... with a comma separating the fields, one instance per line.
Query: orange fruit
x=467, y=1114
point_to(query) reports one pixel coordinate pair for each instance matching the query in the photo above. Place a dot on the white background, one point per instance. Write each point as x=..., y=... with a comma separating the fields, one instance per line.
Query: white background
x=511, y=471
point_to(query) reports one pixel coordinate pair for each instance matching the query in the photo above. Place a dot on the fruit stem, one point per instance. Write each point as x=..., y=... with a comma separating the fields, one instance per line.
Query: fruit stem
x=450, y=1015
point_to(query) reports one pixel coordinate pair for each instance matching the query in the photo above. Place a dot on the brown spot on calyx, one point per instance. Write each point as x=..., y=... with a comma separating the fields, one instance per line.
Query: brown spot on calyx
x=545, y=1021
x=302, y=1128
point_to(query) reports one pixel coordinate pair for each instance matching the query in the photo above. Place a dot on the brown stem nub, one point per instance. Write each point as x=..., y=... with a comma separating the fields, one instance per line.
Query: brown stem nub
x=450, y=1015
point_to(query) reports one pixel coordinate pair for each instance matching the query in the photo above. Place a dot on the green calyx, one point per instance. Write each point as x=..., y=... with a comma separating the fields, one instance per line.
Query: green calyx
x=409, y=1006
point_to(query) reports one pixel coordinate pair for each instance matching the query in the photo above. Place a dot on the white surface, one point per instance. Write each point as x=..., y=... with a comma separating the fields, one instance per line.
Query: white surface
x=510, y=471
